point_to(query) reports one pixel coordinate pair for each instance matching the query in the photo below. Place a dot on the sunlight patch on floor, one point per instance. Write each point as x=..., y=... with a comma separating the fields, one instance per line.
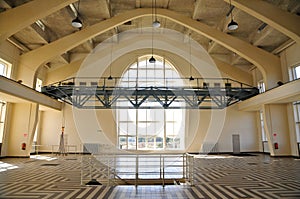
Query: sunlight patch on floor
x=215, y=156
x=42, y=157
x=5, y=166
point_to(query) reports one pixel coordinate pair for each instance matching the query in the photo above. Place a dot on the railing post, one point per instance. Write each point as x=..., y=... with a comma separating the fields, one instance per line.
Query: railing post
x=136, y=170
x=183, y=165
x=163, y=171
x=90, y=163
x=108, y=170
x=81, y=172
x=160, y=166
x=191, y=170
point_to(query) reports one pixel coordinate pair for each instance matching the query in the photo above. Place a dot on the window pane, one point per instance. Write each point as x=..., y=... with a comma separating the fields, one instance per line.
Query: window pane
x=131, y=143
x=2, y=69
x=297, y=72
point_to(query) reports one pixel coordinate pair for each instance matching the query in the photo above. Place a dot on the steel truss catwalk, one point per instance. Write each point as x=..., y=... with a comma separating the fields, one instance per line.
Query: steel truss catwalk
x=106, y=93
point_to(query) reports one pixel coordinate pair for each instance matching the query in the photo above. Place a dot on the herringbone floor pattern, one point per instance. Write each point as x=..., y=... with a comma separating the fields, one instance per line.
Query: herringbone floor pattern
x=215, y=177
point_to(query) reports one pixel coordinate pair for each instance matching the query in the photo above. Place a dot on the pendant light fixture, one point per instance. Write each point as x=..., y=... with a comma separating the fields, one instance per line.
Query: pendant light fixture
x=152, y=59
x=76, y=23
x=232, y=25
x=191, y=77
x=156, y=23
x=111, y=51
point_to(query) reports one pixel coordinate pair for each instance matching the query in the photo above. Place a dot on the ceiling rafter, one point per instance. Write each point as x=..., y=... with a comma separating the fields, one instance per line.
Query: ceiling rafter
x=283, y=21
x=43, y=35
x=21, y=18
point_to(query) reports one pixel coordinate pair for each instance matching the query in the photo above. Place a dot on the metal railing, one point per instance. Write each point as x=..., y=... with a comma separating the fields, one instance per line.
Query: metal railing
x=138, y=169
x=168, y=93
x=142, y=82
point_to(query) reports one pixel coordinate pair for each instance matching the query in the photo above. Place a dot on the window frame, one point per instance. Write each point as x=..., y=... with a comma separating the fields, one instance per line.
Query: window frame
x=157, y=138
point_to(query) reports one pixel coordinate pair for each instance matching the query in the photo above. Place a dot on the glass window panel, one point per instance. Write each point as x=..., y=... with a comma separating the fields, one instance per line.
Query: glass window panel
x=169, y=142
x=142, y=128
x=131, y=143
x=131, y=114
x=151, y=128
x=123, y=127
x=159, y=142
x=297, y=72
x=169, y=128
x=150, y=74
x=159, y=74
x=159, y=65
x=143, y=63
x=141, y=142
x=142, y=115
x=169, y=115
x=2, y=69
x=123, y=142
x=150, y=142
x=131, y=128
x=132, y=74
x=123, y=113
x=142, y=74
x=169, y=73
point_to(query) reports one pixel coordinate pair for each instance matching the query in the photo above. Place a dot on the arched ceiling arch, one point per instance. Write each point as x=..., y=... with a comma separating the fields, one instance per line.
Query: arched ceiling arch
x=265, y=61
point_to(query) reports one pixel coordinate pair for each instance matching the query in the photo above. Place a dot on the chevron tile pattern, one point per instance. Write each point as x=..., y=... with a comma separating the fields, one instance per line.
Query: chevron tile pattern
x=214, y=177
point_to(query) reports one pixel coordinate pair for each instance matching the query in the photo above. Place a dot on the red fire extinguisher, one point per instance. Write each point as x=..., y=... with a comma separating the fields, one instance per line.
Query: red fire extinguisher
x=276, y=145
x=23, y=146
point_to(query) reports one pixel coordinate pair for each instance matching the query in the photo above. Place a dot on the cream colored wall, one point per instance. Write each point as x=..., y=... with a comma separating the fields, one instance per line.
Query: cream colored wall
x=22, y=128
x=277, y=129
x=18, y=122
x=51, y=129
x=290, y=58
x=236, y=122
x=11, y=54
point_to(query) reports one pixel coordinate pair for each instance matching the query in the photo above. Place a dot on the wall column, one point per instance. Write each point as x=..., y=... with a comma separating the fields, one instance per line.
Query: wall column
x=277, y=129
x=24, y=117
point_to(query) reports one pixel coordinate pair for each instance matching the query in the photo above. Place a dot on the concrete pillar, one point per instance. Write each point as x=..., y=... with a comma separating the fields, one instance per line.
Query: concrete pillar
x=24, y=117
x=277, y=129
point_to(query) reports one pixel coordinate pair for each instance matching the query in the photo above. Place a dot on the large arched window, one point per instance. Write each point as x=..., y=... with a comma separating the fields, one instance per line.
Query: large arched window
x=150, y=129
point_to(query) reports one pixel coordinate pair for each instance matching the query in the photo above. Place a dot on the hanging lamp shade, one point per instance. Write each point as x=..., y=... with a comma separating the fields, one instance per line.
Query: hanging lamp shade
x=232, y=25
x=152, y=59
x=156, y=24
x=110, y=77
x=76, y=23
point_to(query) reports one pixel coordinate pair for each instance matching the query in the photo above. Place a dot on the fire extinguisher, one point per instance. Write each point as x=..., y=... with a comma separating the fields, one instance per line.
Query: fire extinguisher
x=23, y=146
x=276, y=145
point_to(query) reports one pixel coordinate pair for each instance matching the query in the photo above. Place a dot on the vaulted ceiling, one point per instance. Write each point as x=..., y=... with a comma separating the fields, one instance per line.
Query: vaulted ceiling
x=214, y=13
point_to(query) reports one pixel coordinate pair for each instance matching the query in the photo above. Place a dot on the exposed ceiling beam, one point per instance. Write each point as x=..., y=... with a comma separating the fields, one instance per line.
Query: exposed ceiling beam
x=26, y=14
x=234, y=72
x=283, y=46
x=197, y=7
x=285, y=22
x=265, y=61
x=138, y=3
x=18, y=44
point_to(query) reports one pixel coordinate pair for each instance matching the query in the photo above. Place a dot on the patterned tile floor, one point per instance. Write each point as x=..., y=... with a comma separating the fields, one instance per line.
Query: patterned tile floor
x=258, y=176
